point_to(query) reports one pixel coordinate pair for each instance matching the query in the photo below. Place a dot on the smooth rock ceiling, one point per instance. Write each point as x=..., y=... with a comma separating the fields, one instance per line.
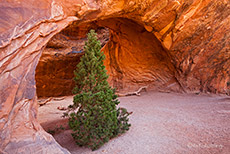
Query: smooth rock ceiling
x=171, y=45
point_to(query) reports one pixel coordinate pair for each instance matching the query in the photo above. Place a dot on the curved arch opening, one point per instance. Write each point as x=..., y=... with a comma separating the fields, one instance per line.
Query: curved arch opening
x=134, y=58
x=54, y=72
x=199, y=53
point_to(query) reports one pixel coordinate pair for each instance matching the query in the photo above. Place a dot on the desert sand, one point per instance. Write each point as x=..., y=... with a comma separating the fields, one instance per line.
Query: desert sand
x=162, y=123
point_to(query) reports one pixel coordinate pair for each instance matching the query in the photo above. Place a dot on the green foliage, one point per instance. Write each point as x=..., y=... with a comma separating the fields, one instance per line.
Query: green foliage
x=94, y=117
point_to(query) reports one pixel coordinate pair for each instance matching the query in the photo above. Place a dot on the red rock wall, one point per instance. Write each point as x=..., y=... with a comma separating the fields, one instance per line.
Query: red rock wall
x=136, y=58
x=26, y=26
x=201, y=49
x=195, y=33
x=54, y=72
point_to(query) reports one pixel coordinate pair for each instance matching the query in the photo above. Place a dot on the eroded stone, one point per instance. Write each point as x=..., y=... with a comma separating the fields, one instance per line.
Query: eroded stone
x=194, y=32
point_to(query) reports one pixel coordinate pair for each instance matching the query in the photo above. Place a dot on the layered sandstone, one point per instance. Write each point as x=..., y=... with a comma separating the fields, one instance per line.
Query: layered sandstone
x=136, y=58
x=191, y=52
x=54, y=72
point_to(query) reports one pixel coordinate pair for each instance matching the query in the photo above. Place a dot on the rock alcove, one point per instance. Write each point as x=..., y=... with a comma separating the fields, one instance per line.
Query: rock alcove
x=134, y=58
x=191, y=39
x=54, y=73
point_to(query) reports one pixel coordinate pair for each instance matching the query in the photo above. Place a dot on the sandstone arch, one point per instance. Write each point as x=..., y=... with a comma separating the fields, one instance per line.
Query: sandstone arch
x=54, y=72
x=134, y=58
x=195, y=33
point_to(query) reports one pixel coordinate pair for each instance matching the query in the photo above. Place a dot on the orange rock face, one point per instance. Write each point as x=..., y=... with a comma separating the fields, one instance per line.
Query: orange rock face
x=54, y=73
x=186, y=49
x=136, y=58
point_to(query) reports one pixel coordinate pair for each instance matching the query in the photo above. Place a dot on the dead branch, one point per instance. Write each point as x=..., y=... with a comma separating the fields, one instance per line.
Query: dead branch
x=59, y=98
x=133, y=93
x=41, y=103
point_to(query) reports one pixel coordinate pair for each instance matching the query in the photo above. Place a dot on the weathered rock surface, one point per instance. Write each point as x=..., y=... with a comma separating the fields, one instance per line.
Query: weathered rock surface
x=195, y=36
x=54, y=73
x=136, y=58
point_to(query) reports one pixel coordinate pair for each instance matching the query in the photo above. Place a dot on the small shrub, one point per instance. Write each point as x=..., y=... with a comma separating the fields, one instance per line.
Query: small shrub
x=94, y=117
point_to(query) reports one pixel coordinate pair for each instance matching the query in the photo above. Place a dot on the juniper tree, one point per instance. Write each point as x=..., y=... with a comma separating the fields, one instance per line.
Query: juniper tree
x=94, y=117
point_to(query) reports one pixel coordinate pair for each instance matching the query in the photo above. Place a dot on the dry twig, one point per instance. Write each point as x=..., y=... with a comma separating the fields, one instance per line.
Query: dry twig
x=132, y=93
x=41, y=103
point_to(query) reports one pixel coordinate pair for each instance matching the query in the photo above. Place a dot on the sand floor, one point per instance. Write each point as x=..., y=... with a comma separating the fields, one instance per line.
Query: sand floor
x=162, y=123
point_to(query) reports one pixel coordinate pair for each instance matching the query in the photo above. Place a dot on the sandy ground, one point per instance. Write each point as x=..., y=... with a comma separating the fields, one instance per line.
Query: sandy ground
x=162, y=123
